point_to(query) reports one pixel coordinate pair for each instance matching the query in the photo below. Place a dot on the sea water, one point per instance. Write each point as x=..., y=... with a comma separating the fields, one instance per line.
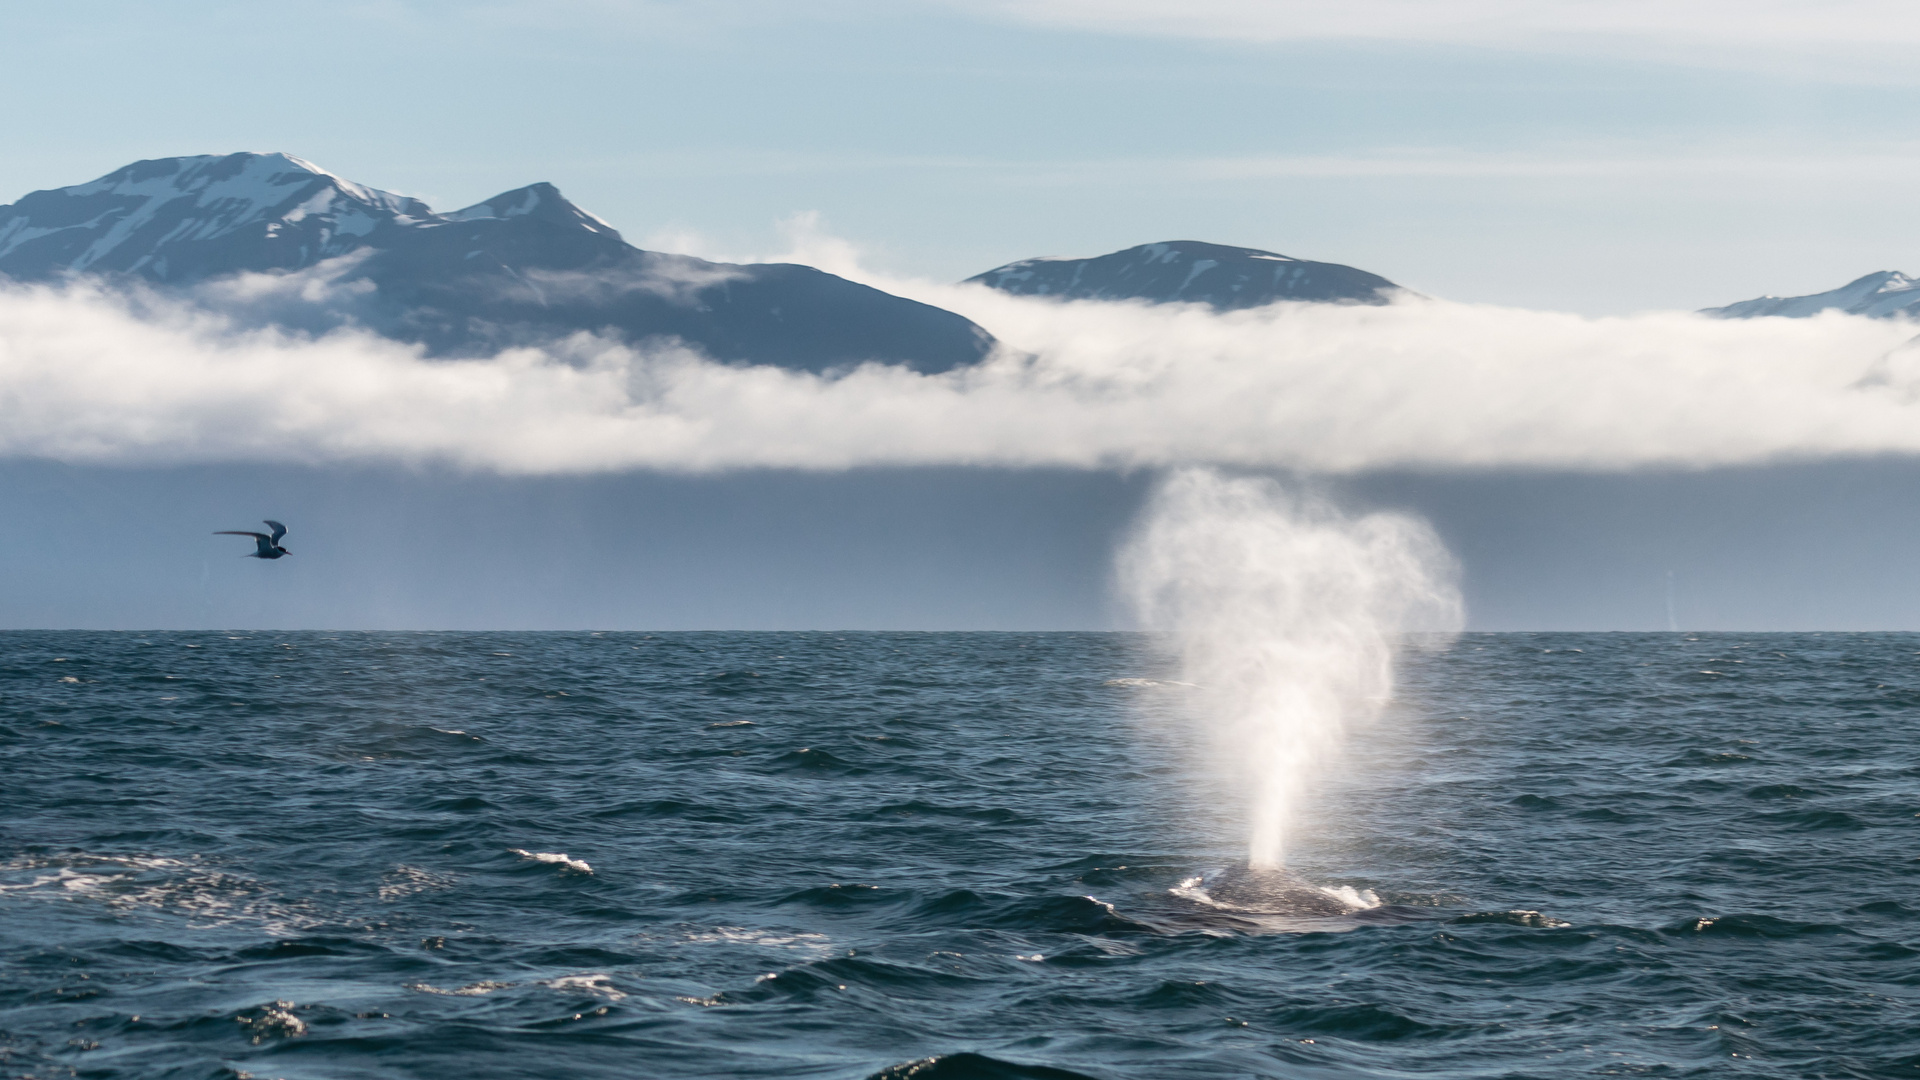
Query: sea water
x=944, y=856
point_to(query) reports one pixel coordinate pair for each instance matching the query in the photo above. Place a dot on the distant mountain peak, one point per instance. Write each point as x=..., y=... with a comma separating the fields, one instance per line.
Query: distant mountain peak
x=541, y=202
x=1190, y=271
x=1176, y=250
x=188, y=217
x=260, y=183
x=1881, y=294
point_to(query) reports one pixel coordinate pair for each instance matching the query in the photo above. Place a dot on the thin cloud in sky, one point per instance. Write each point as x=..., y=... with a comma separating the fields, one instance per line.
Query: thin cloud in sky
x=1793, y=23
x=1716, y=160
x=88, y=376
x=1697, y=31
x=1706, y=162
x=1779, y=22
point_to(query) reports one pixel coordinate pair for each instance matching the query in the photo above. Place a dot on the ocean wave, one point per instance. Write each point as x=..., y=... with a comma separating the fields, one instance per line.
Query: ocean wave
x=187, y=888
x=802, y=940
x=971, y=1066
x=1526, y=917
x=404, y=881
x=1273, y=892
x=473, y=989
x=596, y=984
x=554, y=858
x=1018, y=877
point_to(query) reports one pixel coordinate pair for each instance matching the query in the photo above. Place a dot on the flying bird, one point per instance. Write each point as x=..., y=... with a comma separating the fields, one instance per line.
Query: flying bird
x=269, y=546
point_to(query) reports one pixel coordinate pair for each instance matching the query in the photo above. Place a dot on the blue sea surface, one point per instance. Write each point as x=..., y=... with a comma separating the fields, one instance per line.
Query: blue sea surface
x=940, y=856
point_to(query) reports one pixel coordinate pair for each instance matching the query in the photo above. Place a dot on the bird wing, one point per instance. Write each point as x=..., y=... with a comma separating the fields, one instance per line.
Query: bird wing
x=279, y=530
x=262, y=543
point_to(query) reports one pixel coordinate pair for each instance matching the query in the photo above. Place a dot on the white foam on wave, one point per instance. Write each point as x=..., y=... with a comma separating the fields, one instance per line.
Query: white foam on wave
x=1358, y=899
x=64, y=877
x=476, y=989
x=802, y=940
x=1195, y=889
x=558, y=858
x=404, y=881
x=1146, y=682
x=598, y=984
x=1294, y=892
x=188, y=888
x=275, y=1021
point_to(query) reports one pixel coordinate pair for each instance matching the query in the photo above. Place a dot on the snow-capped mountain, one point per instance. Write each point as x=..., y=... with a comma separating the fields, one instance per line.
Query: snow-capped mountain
x=1190, y=271
x=184, y=219
x=1880, y=295
x=521, y=267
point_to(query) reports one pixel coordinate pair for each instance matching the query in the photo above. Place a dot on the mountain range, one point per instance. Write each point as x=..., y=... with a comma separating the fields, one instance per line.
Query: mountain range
x=271, y=239
x=1882, y=294
x=275, y=240
x=521, y=267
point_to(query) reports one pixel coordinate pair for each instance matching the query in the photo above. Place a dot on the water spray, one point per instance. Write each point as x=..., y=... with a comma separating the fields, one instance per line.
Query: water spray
x=1287, y=614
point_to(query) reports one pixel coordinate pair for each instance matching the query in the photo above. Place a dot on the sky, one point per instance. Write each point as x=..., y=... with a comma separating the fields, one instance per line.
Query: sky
x=1657, y=471
x=1600, y=158
x=1561, y=182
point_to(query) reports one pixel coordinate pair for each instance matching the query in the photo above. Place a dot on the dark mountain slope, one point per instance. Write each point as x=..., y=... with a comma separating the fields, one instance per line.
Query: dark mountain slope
x=521, y=267
x=1189, y=271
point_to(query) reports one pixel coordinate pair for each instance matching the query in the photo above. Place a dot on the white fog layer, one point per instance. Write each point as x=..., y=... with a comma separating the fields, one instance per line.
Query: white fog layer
x=88, y=376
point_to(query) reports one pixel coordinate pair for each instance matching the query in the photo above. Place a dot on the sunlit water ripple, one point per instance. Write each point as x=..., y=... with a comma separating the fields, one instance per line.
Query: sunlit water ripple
x=835, y=855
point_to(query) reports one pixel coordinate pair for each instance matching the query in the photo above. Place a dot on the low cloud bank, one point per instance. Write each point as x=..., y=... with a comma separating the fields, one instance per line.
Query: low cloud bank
x=90, y=375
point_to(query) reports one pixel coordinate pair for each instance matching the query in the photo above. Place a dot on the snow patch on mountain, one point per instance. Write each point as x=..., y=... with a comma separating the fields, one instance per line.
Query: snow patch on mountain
x=542, y=201
x=272, y=240
x=138, y=218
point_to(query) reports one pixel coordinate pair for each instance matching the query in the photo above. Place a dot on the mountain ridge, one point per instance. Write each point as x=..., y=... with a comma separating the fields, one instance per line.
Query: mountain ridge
x=522, y=267
x=1224, y=277
x=1882, y=294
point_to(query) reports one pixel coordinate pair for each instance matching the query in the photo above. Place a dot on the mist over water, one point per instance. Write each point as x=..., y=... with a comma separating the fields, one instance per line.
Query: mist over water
x=1287, y=615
